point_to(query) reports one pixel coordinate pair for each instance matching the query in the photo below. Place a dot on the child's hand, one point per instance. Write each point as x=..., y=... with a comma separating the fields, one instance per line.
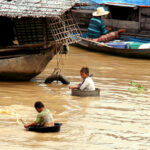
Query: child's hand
x=70, y=87
x=26, y=126
x=108, y=28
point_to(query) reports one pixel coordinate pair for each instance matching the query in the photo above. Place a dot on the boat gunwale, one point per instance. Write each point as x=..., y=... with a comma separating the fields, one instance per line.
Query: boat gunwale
x=125, y=52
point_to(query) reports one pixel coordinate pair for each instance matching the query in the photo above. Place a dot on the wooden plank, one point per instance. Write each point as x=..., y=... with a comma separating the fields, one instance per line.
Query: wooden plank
x=82, y=15
x=83, y=24
x=84, y=29
x=145, y=33
x=82, y=11
x=136, y=35
x=121, y=24
x=83, y=20
x=84, y=4
x=145, y=11
x=145, y=26
x=44, y=32
x=27, y=47
x=139, y=18
x=145, y=20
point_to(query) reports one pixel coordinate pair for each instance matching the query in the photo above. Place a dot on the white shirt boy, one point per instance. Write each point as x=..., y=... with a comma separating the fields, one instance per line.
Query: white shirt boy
x=87, y=84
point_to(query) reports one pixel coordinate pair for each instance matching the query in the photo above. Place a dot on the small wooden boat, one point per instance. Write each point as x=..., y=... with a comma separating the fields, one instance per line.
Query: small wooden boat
x=77, y=92
x=55, y=128
x=134, y=18
x=126, y=52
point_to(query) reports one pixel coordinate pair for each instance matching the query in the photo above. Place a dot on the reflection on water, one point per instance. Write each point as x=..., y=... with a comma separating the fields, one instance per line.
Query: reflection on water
x=118, y=119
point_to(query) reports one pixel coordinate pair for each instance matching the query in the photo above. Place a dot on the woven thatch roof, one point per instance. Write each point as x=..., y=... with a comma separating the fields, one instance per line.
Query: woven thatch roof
x=35, y=8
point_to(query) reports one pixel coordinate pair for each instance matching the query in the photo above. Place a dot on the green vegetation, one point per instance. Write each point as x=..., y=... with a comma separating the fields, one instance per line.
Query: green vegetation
x=138, y=88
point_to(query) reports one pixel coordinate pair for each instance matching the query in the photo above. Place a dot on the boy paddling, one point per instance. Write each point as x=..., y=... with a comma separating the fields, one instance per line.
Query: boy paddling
x=44, y=118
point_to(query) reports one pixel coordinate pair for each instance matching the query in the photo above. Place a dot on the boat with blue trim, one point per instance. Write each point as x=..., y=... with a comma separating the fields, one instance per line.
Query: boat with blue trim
x=129, y=15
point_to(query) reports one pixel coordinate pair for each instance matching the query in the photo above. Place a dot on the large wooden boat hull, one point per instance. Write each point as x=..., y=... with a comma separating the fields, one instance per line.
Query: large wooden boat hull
x=134, y=53
x=24, y=66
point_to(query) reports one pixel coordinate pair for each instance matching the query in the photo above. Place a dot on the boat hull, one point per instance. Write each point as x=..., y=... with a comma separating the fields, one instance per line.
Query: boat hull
x=134, y=53
x=24, y=66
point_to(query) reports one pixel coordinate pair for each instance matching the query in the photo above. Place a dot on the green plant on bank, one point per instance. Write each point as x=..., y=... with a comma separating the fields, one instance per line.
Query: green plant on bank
x=136, y=88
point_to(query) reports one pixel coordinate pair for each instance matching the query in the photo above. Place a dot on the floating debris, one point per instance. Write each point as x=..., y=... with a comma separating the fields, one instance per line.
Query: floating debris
x=138, y=88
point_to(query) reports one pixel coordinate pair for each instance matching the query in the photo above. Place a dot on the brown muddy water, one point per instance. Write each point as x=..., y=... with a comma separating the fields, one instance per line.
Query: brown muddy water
x=118, y=119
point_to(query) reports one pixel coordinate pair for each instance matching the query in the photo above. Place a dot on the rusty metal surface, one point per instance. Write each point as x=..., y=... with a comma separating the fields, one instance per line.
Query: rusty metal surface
x=35, y=8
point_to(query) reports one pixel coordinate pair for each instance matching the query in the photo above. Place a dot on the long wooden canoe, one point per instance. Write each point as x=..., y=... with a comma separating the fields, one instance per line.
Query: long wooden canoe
x=125, y=52
x=135, y=19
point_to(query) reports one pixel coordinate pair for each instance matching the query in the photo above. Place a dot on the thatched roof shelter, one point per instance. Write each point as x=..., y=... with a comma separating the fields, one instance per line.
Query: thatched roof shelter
x=36, y=21
x=32, y=32
x=35, y=8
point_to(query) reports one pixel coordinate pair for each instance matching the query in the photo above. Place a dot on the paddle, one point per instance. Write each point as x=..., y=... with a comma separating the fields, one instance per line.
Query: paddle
x=97, y=43
x=22, y=121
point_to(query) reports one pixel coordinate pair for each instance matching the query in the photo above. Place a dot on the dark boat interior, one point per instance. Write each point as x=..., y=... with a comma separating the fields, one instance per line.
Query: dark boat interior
x=7, y=31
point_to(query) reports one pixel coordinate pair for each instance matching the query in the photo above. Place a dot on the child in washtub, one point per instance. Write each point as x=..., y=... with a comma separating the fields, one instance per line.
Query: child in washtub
x=87, y=83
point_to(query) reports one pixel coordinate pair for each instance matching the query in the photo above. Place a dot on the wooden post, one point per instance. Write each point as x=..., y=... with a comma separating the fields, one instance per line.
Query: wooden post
x=139, y=19
x=44, y=32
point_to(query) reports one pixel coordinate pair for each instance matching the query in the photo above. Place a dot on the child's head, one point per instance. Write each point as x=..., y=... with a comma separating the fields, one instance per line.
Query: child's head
x=39, y=106
x=84, y=72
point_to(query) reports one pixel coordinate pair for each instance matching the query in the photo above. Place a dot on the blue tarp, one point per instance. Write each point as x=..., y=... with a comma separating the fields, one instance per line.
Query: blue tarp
x=90, y=2
x=135, y=2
